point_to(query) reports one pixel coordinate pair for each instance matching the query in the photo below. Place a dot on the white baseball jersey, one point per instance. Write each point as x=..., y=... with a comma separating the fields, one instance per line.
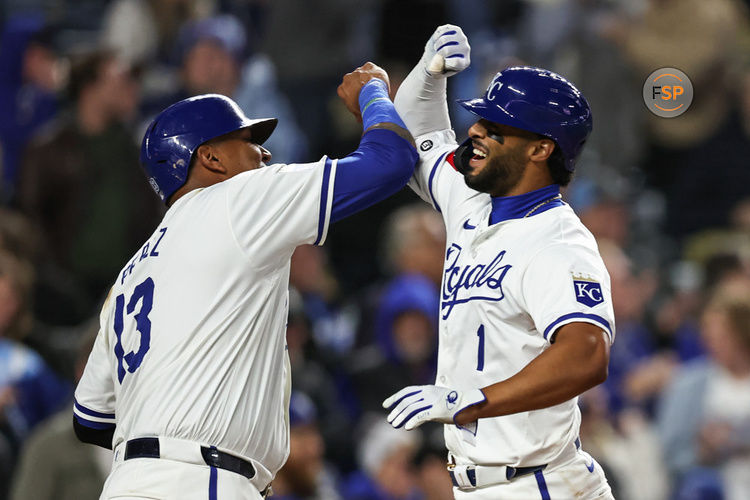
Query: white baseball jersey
x=506, y=288
x=192, y=335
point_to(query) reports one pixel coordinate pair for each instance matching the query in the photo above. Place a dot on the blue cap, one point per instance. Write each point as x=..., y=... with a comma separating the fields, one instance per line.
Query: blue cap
x=225, y=30
x=301, y=409
x=174, y=135
x=539, y=101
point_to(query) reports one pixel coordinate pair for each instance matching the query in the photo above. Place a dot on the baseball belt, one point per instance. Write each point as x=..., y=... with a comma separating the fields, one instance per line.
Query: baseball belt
x=150, y=447
x=472, y=476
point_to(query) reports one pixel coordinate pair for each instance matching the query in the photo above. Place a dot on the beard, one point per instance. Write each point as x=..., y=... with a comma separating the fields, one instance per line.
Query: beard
x=500, y=174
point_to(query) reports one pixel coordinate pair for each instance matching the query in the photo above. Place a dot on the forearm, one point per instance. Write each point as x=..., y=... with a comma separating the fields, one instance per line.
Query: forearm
x=380, y=167
x=575, y=363
x=384, y=160
x=421, y=102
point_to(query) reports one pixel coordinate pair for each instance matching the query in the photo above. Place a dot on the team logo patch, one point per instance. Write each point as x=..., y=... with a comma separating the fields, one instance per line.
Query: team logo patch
x=450, y=399
x=588, y=292
x=425, y=145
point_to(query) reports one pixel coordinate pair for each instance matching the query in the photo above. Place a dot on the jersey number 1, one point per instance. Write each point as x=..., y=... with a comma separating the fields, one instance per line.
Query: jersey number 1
x=144, y=293
x=480, y=349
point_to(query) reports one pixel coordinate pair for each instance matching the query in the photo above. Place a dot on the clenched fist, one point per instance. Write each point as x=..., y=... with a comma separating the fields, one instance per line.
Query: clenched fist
x=353, y=82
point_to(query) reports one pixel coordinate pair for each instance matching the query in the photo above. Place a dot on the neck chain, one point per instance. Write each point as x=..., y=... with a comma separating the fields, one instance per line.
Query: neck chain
x=540, y=205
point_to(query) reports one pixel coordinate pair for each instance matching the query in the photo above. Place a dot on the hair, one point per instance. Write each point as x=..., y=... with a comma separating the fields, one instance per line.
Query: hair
x=86, y=70
x=20, y=273
x=734, y=303
x=556, y=164
x=403, y=229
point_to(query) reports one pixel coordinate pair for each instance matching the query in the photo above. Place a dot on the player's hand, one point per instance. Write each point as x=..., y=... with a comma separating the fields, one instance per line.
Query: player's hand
x=353, y=82
x=447, y=52
x=414, y=405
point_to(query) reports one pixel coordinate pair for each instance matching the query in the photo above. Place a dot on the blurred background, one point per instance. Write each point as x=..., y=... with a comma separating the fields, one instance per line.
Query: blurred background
x=667, y=199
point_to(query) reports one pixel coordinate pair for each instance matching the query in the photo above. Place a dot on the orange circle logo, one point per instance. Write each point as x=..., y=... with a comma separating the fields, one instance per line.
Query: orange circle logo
x=668, y=92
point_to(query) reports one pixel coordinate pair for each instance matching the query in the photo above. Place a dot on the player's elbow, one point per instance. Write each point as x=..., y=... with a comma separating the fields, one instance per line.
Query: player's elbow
x=598, y=364
x=391, y=152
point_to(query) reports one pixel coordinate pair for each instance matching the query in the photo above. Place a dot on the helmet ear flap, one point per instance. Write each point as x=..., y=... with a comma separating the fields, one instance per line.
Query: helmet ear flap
x=462, y=156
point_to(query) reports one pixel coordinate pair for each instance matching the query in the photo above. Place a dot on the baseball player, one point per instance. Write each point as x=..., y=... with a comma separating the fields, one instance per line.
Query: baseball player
x=188, y=381
x=526, y=317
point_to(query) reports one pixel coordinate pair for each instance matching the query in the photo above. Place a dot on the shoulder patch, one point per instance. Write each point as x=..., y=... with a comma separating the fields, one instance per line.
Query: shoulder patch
x=588, y=292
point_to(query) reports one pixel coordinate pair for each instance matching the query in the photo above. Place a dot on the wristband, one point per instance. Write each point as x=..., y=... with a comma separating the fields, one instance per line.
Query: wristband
x=375, y=105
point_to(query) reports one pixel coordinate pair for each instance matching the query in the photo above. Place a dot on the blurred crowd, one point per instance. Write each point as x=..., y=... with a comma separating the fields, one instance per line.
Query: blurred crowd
x=667, y=199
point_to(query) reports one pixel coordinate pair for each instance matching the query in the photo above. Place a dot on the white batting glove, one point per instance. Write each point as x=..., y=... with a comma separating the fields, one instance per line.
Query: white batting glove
x=414, y=405
x=447, y=52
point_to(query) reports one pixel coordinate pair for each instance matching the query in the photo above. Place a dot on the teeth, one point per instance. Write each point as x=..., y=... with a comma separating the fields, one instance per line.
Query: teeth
x=480, y=153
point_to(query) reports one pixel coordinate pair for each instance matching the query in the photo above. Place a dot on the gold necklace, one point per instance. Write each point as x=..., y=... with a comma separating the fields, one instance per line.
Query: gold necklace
x=537, y=207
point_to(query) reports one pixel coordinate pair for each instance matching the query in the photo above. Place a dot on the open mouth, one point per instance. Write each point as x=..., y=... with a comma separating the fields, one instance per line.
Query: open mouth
x=480, y=154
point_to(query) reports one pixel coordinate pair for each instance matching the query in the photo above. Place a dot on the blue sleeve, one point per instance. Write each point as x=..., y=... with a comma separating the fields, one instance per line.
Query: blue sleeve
x=381, y=165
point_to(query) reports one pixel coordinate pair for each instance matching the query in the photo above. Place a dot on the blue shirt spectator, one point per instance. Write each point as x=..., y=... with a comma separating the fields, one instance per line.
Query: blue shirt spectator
x=28, y=79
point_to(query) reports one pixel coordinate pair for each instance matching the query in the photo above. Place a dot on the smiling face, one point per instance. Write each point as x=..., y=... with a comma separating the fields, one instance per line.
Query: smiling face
x=501, y=154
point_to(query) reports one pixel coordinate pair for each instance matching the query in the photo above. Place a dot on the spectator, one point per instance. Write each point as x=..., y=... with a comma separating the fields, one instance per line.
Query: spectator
x=431, y=463
x=143, y=31
x=80, y=184
x=304, y=476
x=704, y=416
x=30, y=73
x=412, y=243
x=213, y=60
x=54, y=464
x=29, y=390
x=313, y=375
x=386, y=457
x=637, y=371
x=405, y=349
x=698, y=158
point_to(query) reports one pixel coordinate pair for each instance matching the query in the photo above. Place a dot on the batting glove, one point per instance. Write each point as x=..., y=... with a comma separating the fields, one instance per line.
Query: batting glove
x=412, y=406
x=447, y=52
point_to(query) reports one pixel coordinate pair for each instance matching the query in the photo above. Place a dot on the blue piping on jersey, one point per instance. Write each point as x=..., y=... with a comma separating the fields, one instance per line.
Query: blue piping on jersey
x=429, y=182
x=92, y=413
x=323, y=212
x=516, y=207
x=94, y=425
x=602, y=322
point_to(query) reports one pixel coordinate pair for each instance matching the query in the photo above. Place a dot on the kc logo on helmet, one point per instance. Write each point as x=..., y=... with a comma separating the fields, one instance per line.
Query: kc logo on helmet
x=588, y=292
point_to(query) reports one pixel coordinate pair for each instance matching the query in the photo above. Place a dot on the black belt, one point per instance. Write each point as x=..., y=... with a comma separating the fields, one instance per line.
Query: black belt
x=148, y=447
x=510, y=473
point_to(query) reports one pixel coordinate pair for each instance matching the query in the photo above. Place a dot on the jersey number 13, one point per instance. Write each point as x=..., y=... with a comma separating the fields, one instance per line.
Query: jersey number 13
x=143, y=293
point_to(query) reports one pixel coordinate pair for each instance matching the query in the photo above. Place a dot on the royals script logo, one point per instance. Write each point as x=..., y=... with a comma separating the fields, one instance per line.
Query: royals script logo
x=462, y=284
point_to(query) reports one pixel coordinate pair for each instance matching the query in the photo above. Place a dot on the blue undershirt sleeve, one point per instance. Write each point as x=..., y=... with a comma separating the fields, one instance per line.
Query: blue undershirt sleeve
x=383, y=162
x=380, y=167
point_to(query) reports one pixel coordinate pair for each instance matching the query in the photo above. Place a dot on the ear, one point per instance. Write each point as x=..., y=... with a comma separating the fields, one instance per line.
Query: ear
x=207, y=156
x=542, y=150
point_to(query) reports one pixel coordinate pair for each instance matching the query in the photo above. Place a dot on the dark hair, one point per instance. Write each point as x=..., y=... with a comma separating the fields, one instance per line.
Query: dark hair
x=556, y=164
x=86, y=70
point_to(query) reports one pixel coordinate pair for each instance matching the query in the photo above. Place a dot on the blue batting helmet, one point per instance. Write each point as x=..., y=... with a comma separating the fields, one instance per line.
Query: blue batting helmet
x=538, y=101
x=174, y=135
